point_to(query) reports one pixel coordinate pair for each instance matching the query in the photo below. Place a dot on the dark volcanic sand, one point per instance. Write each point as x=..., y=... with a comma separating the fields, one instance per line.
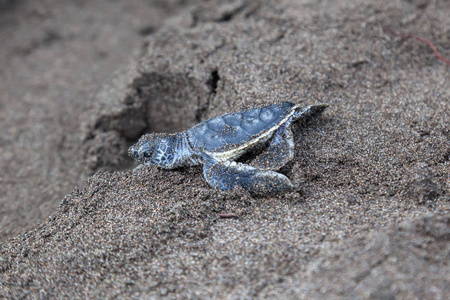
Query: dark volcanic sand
x=371, y=215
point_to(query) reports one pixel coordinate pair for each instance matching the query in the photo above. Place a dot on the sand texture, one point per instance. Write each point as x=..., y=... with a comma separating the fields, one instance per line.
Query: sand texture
x=370, y=215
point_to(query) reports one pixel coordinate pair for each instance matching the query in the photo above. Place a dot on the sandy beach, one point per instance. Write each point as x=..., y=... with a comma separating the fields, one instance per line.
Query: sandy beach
x=81, y=82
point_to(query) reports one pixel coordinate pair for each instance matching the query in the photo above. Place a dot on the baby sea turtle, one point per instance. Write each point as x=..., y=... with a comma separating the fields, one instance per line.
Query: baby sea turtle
x=216, y=144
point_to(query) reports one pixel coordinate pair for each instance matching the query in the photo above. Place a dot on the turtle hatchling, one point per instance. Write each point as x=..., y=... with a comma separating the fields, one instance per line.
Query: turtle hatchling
x=216, y=144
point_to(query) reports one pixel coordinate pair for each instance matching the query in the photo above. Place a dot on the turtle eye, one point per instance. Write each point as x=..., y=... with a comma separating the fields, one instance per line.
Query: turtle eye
x=146, y=154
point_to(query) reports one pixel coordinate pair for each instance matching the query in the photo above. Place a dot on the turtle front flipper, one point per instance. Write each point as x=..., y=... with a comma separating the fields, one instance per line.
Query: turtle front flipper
x=228, y=174
x=279, y=152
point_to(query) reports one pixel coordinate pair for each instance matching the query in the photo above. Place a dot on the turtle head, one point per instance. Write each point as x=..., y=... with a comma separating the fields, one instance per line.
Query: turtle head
x=156, y=149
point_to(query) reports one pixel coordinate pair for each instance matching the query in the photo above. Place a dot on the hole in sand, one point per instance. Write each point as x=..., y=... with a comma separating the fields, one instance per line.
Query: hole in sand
x=151, y=103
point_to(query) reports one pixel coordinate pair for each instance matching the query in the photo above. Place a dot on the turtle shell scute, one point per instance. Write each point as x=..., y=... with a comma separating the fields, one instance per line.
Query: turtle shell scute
x=232, y=130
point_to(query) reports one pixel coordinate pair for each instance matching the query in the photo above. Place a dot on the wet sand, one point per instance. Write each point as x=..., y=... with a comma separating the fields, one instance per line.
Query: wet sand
x=370, y=216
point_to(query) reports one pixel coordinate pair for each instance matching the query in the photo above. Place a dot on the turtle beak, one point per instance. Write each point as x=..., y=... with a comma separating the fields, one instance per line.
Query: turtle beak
x=133, y=152
x=139, y=152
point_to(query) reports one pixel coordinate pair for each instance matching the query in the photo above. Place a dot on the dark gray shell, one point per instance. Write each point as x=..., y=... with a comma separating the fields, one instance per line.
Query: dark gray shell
x=232, y=130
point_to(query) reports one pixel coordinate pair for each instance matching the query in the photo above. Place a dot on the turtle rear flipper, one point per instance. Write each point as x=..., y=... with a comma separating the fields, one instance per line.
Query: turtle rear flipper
x=226, y=175
x=279, y=152
x=310, y=111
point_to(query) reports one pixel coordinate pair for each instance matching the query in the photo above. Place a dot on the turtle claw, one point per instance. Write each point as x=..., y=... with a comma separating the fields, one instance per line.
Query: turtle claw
x=226, y=175
x=279, y=152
